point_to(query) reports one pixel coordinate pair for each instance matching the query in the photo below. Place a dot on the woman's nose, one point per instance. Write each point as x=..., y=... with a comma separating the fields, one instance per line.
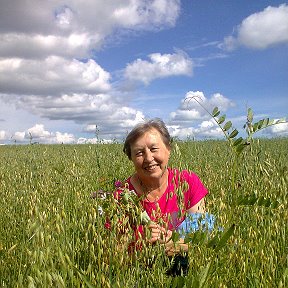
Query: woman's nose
x=148, y=156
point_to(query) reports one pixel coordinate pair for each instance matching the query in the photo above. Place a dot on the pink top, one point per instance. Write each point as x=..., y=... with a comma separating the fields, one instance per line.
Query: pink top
x=187, y=185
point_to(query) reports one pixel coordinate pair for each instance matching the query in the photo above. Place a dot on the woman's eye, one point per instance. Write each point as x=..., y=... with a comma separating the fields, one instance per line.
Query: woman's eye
x=139, y=153
x=154, y=149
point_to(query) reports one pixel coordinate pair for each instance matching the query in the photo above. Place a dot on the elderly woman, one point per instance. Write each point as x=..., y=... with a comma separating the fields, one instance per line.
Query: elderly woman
x=167, y=194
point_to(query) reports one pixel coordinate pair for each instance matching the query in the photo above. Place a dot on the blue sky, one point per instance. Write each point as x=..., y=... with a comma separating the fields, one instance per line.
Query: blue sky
x=69, y=68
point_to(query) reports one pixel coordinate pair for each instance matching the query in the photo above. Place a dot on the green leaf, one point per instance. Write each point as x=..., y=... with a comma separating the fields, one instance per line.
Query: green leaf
x=204, y=274
x=250, y=115
x=233, y=134
x=227, y=126
x=238, y=141
x=215, y=112
x=197, y=237
x=261, y=201
x=177, y=282
x=252, y=200
x=84, y=278
x=240, y=148
x=213, y=242
x=275, y=204
x=225, y=237
x=260, y=124
x=265, y=122
x=255, y=127
x=247, y=200
x=175, y=236
x=267, y=203
x=271, y=121
x=221, y=119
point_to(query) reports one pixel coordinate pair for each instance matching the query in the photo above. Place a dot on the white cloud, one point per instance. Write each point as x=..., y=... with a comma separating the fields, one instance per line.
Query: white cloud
x=42, y=28
x=65, y=138
x=91, y=128
x=179, y=132
x=107, y=112
x=42, y=71
x=143, y=13
x=204, y=130
x=280, y=129
x=39, y=46
x=261, y=30
x=3, y=135
x=38, y=131
x=38, y=134
x=54, y=75
x=18, y=136
x=190, y=110
x=159, y=66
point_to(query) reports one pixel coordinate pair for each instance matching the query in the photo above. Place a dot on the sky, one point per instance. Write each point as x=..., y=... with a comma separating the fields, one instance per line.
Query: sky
x=75, y=71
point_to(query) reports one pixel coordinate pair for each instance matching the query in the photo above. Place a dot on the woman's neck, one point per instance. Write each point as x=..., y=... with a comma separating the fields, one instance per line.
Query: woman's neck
x=153, y=189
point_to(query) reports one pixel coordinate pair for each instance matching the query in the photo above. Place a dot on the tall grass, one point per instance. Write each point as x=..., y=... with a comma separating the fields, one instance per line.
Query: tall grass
x=52, y=235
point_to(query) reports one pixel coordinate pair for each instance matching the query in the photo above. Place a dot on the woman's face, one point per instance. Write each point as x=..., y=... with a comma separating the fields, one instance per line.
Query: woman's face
x=150, y=155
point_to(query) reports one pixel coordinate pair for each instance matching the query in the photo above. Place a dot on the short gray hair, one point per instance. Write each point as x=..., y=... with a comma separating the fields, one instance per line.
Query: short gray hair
x=143, y=127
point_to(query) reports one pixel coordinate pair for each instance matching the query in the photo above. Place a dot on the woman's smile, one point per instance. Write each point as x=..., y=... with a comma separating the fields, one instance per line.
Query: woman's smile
x=150, y=155
x=151, y=167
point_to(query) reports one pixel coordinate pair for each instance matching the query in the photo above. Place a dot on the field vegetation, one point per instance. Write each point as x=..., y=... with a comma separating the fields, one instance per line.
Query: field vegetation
x=52, y=233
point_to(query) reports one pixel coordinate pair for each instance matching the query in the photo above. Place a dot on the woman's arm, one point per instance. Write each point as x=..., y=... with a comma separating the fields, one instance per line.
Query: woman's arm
x=198, y=208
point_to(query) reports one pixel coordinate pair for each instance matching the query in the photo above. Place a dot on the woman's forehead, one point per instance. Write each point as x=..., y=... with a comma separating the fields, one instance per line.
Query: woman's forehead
x=149, y=137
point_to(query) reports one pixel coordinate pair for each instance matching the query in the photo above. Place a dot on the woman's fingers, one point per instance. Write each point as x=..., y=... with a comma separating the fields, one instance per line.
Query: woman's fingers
x=158, y=233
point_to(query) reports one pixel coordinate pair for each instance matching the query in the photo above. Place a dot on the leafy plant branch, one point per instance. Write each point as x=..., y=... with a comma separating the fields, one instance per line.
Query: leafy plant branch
x=238, y=144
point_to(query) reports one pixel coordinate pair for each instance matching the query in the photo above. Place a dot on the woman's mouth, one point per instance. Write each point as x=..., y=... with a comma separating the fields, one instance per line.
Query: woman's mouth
x=151, y=167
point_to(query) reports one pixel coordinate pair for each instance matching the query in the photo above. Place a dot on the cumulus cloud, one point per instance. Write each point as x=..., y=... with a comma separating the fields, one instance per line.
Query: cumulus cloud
x=27, y=46
x=191, y=120
x=189, y=110
x=38, y=134
x=18, y=136
x=204, y=130
x=76, y=27
x=38, y=131
x=107, y=112
x=159, y=66
x=54, y=75
x=261, y=30
x=46, y=66
x=280, y=129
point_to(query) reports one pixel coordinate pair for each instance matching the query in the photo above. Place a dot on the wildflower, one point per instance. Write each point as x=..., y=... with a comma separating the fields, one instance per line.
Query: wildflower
x=118, y=184
x=196, y=221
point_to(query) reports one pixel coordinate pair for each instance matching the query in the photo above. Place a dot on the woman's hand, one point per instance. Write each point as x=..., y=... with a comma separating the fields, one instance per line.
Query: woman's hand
x=173, y=248
x=159, y=233
x=163, y=236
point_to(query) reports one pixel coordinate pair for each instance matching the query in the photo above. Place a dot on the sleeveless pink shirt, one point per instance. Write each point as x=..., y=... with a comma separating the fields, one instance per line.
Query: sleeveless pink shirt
x=183, y=192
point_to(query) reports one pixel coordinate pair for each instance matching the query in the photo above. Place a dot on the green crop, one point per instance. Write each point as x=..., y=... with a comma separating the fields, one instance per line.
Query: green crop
x=52, y=234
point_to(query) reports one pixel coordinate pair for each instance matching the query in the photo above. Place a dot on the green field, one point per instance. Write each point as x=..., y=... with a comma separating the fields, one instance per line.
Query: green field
x=51, y=234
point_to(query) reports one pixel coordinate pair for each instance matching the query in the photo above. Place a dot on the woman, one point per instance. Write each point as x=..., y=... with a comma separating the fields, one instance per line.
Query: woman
x=167, y=194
